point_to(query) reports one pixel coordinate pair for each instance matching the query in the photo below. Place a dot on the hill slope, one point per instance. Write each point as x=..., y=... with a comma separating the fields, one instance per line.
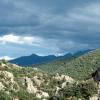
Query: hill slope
x=26, y=83
x=78, y=68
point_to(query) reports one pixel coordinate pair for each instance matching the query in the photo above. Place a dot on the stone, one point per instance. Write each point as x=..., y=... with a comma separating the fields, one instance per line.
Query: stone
x=37, y=81
x=30, y=87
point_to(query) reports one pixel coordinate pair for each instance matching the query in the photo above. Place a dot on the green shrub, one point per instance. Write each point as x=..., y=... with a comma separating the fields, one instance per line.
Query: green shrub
x=23, y=95
x=81, y=90
x=87, y=89
x=4, y=96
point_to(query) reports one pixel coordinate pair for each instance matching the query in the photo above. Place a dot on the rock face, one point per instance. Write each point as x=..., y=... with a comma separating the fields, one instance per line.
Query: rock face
x=57, y=90
x=29, y=84
x=37, y=81
x=2, y=65
x=7, y=79
x=42, y=94
x=7, y=75
x=64, y=77
x=63, y=84
x=94, y=98
x=33, y=89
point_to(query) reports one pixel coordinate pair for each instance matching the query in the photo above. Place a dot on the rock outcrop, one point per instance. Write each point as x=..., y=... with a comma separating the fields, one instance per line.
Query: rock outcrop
x=37, y=81
x=95, y=97
x=64, y=78
x=31, y=80
x=7, y=79
x=29, y=85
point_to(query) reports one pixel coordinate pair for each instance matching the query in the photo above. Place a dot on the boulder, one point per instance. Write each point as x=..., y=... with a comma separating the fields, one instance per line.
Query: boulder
x=37, y=81
x=64, y=78
x=30, y=87
x=42, y=94
x=94, y=98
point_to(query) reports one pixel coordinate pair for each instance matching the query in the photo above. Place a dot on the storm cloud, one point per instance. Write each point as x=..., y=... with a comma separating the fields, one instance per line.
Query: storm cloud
x=57, y=26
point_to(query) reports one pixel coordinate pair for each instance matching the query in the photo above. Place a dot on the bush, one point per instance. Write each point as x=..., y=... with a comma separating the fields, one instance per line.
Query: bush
x=24, y=95
x=4, y=96
x=87, y=89
x=81, y=90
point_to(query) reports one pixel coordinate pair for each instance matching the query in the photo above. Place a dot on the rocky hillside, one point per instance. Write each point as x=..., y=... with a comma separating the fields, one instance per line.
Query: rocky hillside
x=18, y=83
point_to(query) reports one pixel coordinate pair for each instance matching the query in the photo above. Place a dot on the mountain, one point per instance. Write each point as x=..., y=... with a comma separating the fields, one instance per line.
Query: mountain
x=32, y=59
x=35, y=59
x=76, y=67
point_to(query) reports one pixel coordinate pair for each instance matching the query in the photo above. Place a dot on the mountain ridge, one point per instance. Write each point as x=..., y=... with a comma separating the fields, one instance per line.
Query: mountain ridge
x=36, y=59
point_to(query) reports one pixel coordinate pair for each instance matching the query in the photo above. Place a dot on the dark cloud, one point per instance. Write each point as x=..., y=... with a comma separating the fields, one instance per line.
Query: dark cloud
x=64, y=25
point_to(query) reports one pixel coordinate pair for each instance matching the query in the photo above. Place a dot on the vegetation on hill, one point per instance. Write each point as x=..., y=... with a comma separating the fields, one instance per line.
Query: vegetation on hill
x=78, y=68
x=27, y=83
x=18, y=83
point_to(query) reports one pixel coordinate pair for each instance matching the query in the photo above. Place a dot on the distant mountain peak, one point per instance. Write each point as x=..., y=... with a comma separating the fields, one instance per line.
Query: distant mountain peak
x=34, y=54
x=36, y=59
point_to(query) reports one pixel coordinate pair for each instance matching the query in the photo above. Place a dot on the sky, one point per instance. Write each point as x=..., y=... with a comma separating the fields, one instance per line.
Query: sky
x=47, y=27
